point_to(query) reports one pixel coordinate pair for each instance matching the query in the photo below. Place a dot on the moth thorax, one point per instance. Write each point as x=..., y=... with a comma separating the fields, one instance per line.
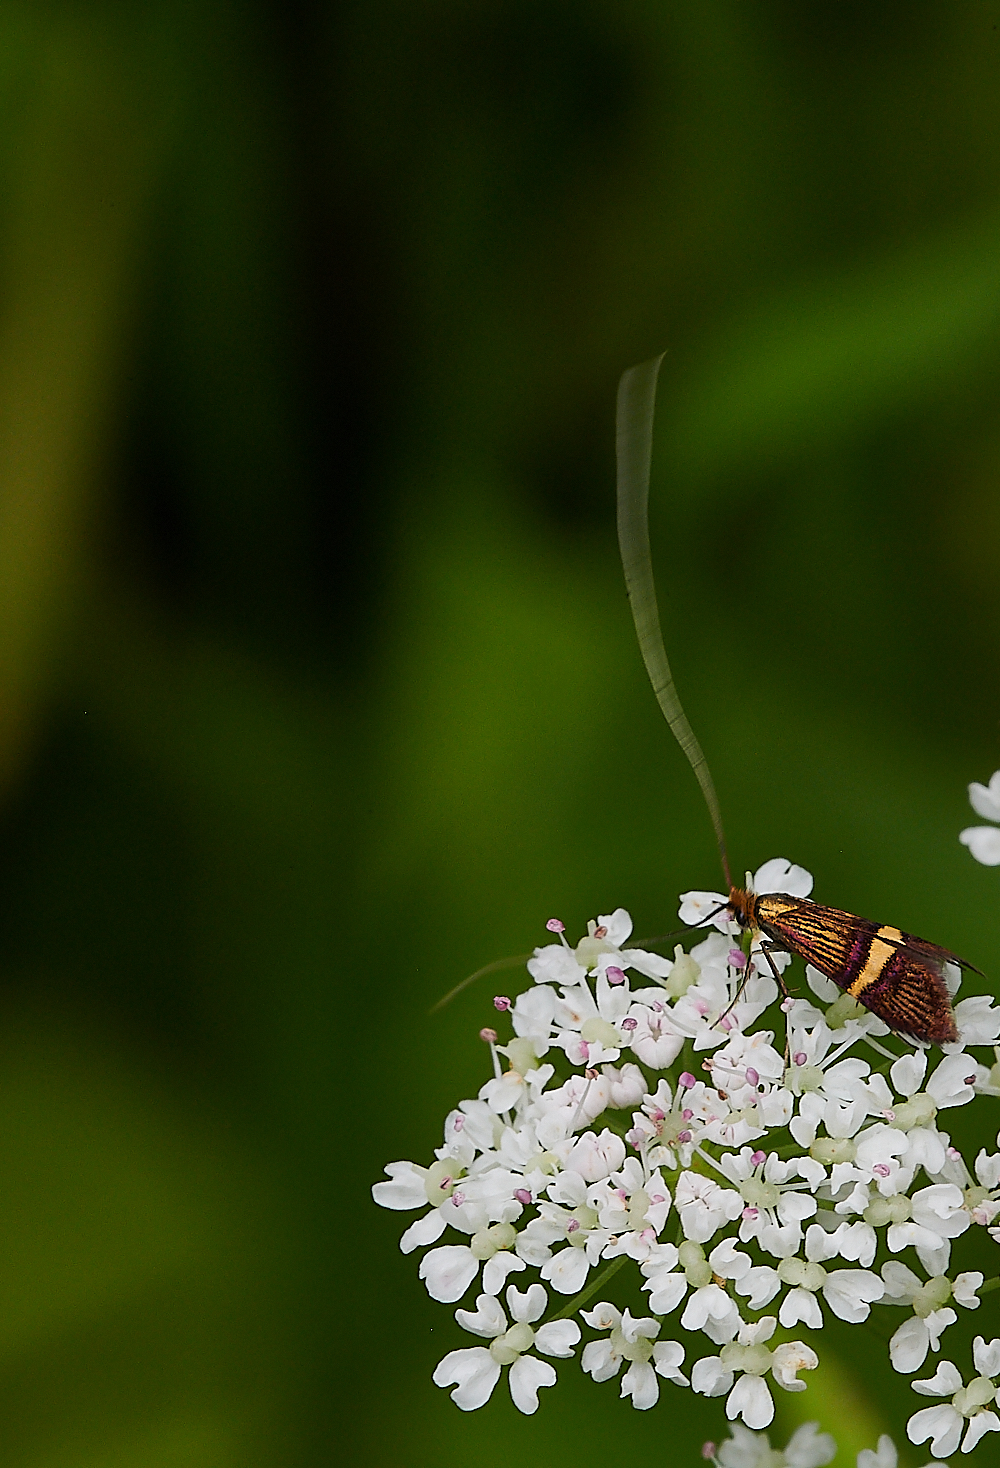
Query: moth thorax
x=744, y=907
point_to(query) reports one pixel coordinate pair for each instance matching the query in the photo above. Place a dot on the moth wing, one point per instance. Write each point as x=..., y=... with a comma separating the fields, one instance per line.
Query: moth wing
x=934, y=957
x=913, y=998
x=824, y=936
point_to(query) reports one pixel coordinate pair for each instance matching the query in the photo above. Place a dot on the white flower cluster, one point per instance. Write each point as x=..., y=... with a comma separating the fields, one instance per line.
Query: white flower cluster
x=754, y=1179
x=807, y=1448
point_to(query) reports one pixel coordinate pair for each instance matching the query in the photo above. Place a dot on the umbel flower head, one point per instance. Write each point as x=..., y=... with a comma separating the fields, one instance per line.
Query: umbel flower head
x=807, y=1448
x=754, y=1168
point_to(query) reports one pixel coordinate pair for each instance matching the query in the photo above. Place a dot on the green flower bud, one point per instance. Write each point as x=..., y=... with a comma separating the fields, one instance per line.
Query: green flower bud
x=685, y=972
x=833, y=1149
x=441, y=1179
x=843, y=1009
x=601, y=1030
x=895, y=1209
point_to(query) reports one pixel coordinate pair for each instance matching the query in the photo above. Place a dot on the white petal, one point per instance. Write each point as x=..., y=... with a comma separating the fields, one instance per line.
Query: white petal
x=640, y=1383
x=496, y=1270
x=526, y=1376
x=666, y=1292
x=557, y=1338
x=618, y=924
x=710, y=1378
x=942, y=1423
x=476, y=1373
x=760, y=1285
x=667, y=1359
x=599, y=1360
x=696, y=906
x=487, y=1320
x=448, y=1272
x=984, y=843
x=603, y=1316
x=821, y=986
x=945, y=1381
x=800, y=1305
x=779, y=875
x=527, y=1306
x=567, y=1270
x=424, y=1231
x=986, y=1357
x=809, y=1448
x=964, y=1290
x=790, y=1358
x=985, y=799
x=751, y=1400
x=407, y=1188
x=979, y=1425
x=909, y=1346
x=851, y=1292
x=908, y=1072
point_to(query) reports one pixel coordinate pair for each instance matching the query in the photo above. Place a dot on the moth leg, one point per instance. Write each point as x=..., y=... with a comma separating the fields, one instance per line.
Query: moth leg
x=766, y=948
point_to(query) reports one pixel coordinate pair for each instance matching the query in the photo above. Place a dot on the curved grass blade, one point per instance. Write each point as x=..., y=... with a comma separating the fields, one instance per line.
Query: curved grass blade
x=634, y=448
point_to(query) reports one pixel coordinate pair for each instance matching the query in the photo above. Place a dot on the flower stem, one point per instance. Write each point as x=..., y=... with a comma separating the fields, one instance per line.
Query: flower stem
x=592, y=1288
x=991, y=1284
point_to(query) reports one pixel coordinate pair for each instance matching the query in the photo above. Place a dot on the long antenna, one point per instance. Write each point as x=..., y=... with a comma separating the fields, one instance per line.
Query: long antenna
x=634, y=448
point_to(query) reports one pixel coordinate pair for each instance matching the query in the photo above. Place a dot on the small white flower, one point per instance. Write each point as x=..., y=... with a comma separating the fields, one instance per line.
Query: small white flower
x=984, y=841
x=634, y=1341
x=749, y=1397
x=969, y=1408
x=703, y=1206
x=475, y=1371
x=807, y=1448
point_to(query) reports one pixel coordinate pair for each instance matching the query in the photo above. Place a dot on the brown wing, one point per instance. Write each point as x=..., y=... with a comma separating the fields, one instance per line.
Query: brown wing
x=895, y=975
x=835, y=942
x=912, y=997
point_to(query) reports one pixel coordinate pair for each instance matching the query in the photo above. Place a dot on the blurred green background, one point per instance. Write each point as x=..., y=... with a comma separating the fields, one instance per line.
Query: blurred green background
x=318, y=687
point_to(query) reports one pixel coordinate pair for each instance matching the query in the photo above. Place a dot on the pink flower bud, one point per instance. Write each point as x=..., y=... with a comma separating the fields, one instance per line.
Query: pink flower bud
x=458, y=1198
x=683, y=1136
x=555, y=926
x=488, y=1035
x=628, y=1025
x=749, y=1213
x=758, y=1157
x=800, y=1057
x=706, y=1065
x=725, y=1023
x=614, y=974
x=737, y=958
x=590, y=1074
x=501, y=1002
x=687, y=1113
x=458, y=1123
x=970, y=1080
x=522, y=1195
x=600, y=932
x=657, y=1198
x=787, y=1003
x=753, y=1076
x=881, y=1169
x=686, y=1079
x=708, y=1451
x=635, y=1138
x=572, y=1226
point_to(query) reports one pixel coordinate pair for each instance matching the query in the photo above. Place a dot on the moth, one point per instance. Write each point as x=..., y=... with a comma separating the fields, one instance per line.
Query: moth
x=897, y=976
